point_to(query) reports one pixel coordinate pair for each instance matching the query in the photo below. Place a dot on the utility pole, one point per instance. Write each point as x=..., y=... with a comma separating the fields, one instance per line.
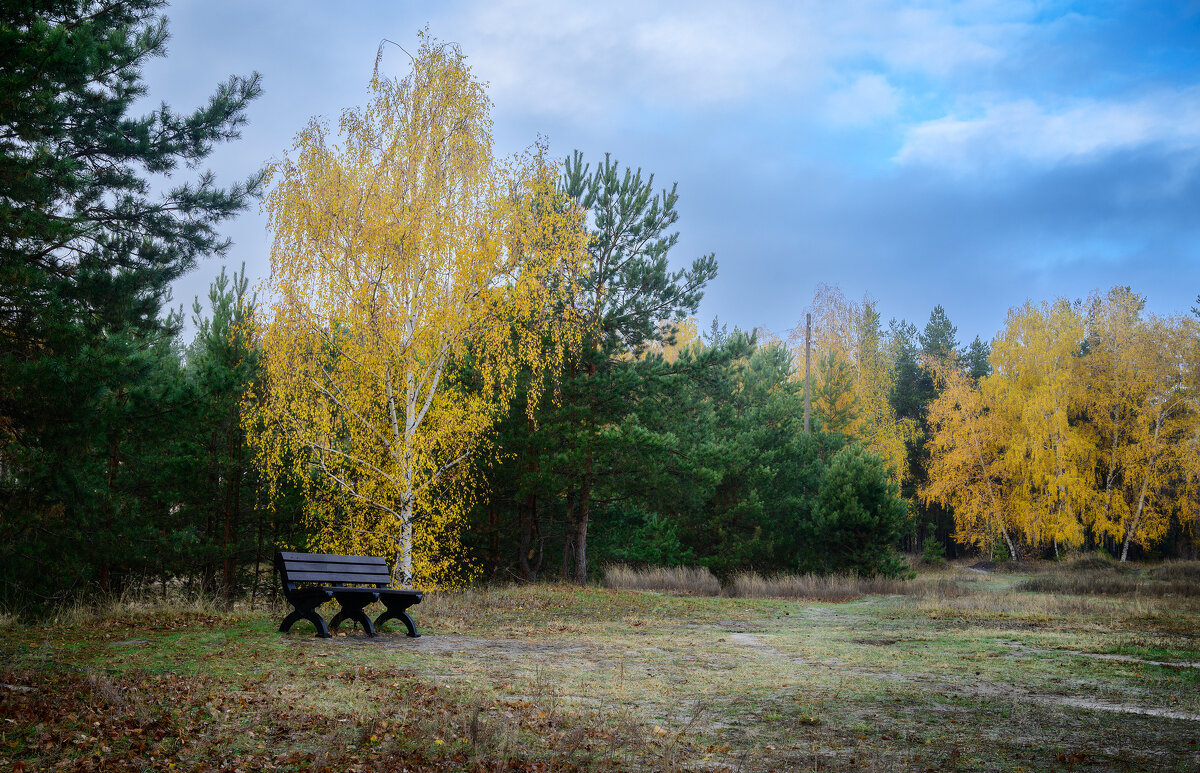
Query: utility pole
x=807, y=365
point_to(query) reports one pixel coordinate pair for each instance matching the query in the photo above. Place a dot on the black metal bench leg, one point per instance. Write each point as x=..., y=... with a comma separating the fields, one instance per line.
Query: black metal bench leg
x=311, y=616
x=352, y=609
x=402, y=616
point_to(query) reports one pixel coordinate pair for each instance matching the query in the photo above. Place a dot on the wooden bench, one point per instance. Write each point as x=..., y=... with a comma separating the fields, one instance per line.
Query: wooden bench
x=311, y=579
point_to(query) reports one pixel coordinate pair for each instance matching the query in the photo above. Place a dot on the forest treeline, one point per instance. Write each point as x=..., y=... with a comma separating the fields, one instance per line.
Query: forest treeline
x=533, y=403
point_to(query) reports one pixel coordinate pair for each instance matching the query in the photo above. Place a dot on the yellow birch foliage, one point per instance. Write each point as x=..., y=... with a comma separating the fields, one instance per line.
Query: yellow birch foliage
x=1141, y=395
x=1048, y=458
x=400, y=242
x=1111, y=378
x=966, y=443
x=847, y=346
x=685, y=334
x=1060, y=440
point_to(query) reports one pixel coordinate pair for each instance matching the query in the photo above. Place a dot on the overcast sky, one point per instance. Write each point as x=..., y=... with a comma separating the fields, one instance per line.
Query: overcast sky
x=974, y=154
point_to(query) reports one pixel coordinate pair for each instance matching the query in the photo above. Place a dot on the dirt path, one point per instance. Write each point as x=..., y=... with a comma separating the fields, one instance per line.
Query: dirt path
x=1104, y=656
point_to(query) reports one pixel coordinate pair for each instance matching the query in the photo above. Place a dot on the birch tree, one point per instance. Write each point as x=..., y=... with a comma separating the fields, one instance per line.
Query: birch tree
x=1047, y=455
x=1140, y=386
x=401, y=244
x=966, y=443
x=848, y=336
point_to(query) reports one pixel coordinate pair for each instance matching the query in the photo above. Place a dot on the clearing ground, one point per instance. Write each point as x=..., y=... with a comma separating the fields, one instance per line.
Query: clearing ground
x=964, y=672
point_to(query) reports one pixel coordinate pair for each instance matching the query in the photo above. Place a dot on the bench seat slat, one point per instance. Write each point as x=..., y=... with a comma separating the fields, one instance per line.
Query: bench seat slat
x=317, y=566
x=339, y=576
x=332, y=559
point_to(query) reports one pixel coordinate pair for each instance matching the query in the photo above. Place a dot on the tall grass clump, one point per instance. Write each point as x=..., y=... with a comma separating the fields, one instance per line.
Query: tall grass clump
x=816, y=587
x=1177, y=571
x=1101, y=577
x=840, y=587
x=1092, y=562
x=697, y=581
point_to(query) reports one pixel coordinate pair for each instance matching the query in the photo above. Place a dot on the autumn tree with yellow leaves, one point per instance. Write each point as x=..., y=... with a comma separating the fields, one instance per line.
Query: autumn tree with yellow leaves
x=1007, y=456
x=1140, y=388
x=401, y=244
x=965, y=471
x=1088, y=427
x=1048, y=454
x=852, y=376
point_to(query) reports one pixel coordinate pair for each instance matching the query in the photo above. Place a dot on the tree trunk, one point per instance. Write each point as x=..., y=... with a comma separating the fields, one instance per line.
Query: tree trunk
x=1142, y=496
x=402, y=564
x=581, y=526
x=493, y=551
x=404, y=559
x=258, y=548
x=274, y=583
x=585, y=497
x=232, y=508
x=208, y=564
x=529, y=562
x=109, y=583
x=569, y=529
x=1012, y=549
x=1137, y=518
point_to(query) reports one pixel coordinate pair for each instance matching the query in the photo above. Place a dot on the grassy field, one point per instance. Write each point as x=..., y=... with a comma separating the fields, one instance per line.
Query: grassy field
x=961, y=669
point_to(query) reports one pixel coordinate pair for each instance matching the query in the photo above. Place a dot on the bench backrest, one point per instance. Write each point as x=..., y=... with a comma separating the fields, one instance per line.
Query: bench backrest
x=333, y=570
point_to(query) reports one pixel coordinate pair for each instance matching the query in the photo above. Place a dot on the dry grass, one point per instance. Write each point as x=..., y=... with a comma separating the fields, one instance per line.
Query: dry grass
x=1097, y=576
x=811, y=587
x=176, y=602
x=1186, y=571
x=815, y=587
x=674, y=579
x=838, y=587
x=1007, y=605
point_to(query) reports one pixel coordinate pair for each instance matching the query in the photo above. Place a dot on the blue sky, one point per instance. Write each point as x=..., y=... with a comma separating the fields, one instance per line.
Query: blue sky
x=974, y=154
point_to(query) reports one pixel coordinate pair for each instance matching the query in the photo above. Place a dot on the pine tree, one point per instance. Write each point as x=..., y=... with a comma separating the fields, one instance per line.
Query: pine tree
x=87, y=255
x=908, y=374
x=859, y=515
x=223, y=363
x=626, y=294
x=975, y=359
x=937, y=339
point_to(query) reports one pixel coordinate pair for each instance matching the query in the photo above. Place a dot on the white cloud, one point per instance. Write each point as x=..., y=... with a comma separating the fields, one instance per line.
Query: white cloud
x=716, y=54
x=1023, y=131
x=586, y=61
x=869, y=98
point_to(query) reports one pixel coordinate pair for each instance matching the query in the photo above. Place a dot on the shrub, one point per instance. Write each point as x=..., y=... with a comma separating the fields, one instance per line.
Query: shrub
x=933, y=552
x=632, y=536
x=859, y=516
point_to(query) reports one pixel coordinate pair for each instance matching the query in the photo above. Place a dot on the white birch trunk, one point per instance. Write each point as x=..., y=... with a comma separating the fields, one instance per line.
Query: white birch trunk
x=402, y=563
x=1137, y=518
x=1012, y=549
x=406, y=510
